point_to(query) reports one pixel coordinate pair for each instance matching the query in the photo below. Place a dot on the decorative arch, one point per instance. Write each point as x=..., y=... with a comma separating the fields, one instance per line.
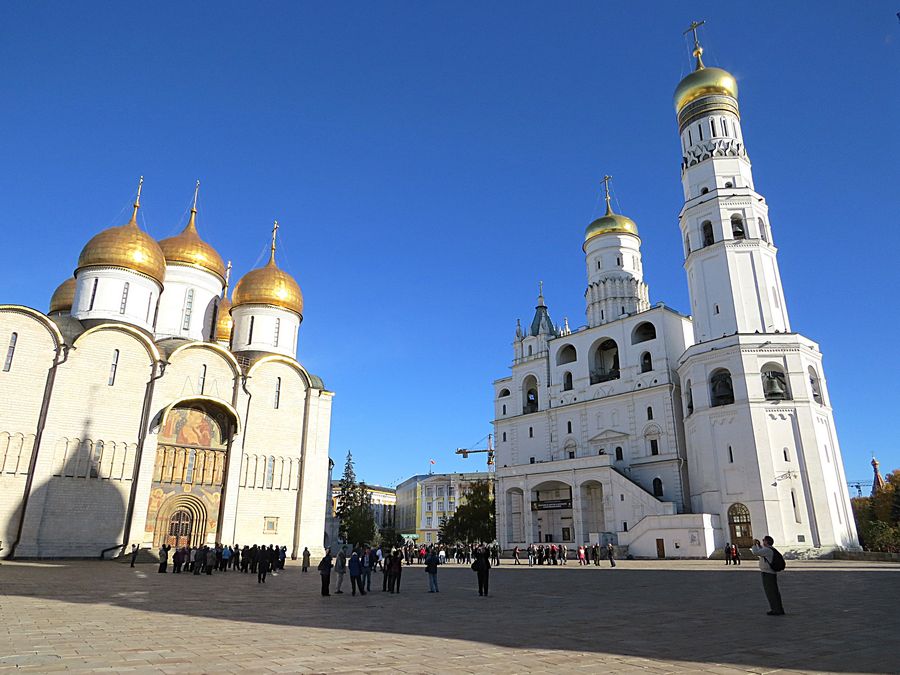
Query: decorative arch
x=643, y=332
x=503, y=393
x=232, y=413
x=293, y=363
x=170, y=512
x=721, y=388
x=40, y=317
x=604, y=364
x=774, y=382
x=740, y=526
x=140, y=336
x=566, y=354
x=212, y=346
x=657, y=487
x=530, y=400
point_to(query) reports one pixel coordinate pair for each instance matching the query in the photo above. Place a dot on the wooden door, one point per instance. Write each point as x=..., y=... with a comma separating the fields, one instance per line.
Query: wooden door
x=660, y=548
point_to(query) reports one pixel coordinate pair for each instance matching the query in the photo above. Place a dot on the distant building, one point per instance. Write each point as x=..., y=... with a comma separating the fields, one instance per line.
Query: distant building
x=424, y=500
x=384, y=500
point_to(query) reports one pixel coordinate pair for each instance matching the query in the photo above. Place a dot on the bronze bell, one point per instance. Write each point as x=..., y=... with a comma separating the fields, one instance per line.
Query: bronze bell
x=773, y=387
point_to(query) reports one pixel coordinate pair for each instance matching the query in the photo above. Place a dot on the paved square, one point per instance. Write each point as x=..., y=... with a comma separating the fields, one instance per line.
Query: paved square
x=643, y=616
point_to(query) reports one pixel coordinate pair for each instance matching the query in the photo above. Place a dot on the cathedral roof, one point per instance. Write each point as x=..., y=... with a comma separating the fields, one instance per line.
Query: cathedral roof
x=188, y=248
x=542, y=324
x=61, y=300
x=269, y=285
x=704, y=82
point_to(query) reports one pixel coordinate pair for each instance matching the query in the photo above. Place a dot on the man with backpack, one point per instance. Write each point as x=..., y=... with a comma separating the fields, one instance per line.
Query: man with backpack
x=771, y=562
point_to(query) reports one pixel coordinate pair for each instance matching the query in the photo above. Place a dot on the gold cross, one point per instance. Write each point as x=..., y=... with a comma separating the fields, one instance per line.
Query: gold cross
x=274, y=234
x=605, y=182
x=698, y=50
x=196, y=192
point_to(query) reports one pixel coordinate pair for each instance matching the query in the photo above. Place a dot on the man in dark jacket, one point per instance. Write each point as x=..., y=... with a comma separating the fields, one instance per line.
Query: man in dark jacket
x=325, y=572
x=482, y=566
x=262, y=568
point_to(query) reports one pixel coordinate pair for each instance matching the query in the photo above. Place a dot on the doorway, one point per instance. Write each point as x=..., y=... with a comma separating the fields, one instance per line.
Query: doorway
x=739, y=524
x=660, y=548
x=181, y=525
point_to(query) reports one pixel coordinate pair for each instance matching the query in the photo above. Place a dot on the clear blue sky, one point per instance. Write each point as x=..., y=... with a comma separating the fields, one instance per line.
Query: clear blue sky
x=430, y=162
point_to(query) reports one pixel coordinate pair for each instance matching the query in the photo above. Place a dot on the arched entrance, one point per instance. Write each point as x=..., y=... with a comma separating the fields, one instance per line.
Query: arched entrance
x=739, y=524
x=551, y=513
x=189, y=472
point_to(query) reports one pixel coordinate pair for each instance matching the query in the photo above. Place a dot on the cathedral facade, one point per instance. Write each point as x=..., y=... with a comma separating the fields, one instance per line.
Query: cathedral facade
x=145, y=407
x=666, y=433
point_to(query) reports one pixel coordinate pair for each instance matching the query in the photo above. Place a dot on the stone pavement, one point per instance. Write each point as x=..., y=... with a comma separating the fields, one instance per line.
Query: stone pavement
x=643, y=616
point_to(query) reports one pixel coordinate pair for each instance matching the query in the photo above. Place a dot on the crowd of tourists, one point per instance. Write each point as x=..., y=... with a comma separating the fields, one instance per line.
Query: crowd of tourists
x=551, y=554
x=260, y=560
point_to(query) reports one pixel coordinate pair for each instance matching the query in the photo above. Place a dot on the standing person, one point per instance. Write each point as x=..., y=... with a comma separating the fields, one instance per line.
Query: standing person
x=367, y=560
x=262, y=568
x=735, y=555
x=431, y=568
x=727, y=553
x=324, y=568
x=530, y=551
x=226, y=558
x=771, y=562
x=611, y=552
x=134, y=553
x=395, y=569
x=164, y=558
x=482, y=567
x=516, y=556
x=177, y=561
x=341, y=568
x=385, y=573
x=305, y=567
x=236, y=558
x=563, y=554
x=355, y=567
x=199, y=558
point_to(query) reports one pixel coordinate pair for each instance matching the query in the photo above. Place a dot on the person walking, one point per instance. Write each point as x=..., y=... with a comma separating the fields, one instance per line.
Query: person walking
x=385, y=572
x=262, y=569
x=516, y=560
x=305, y=567
x=482, y=567
x=611, y=552
x=340, y=567
x=431, y=568
x=735, y=555
x=395, y=569
x=134, y=553
x=727, y=553
x=355, y=567
x=164, y=558
x=771, y=562
x=324, y=568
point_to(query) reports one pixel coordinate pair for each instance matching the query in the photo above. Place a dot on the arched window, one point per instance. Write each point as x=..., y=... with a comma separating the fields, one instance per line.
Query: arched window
x=704, y=190
x=530, y=350
x=721, y=390
x=687, y=245
x=657, y=487
x=619, y=455
x=504, y=437
x=93, y=294
x=503, y=393
x=643, y=332
x=11, y=351
x=774, y=383
x=707, y=232
x=567, y=381
x=814, y=386
x=649, y=412
x=646, y=362
x=113, y=367
x=188, y=309
x=250, y=332
x=689, y=398
x=202, y=380
x=566, y=355
x=787, y=454
x=124, y=298
x=277, y=392
x=529, y=395
x=729, y=184
x=763, y=234
x=606, y=362
x=737, y=226
x=739, y=524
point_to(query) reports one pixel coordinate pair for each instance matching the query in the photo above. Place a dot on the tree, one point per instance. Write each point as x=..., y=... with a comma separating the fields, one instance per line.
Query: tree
x=357, y=522
x=878, y=517
x=473, y=521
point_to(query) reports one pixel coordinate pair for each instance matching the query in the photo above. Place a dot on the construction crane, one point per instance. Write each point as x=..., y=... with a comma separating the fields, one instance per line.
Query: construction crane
x=858, y=485
x=465, y=452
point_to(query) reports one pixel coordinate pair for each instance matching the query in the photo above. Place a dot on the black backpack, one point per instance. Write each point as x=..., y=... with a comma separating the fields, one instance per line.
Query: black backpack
x=777, y=563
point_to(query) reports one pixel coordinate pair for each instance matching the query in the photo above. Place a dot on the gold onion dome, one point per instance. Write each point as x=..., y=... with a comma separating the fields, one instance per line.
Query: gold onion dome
x=189, y=249
x=63, y=296
x=704, y=82
x=610, y=222
x=269, y=285
x=126, y=246
x=224, y=322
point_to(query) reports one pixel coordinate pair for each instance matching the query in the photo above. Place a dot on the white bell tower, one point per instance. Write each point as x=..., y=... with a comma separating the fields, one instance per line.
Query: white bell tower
x=763, y=451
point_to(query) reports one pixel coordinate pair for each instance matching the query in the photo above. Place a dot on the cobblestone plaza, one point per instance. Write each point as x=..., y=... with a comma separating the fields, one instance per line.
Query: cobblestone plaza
x=643, y=616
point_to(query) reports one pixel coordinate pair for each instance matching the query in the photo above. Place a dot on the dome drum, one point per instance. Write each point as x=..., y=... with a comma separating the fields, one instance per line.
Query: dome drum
x=708, y=105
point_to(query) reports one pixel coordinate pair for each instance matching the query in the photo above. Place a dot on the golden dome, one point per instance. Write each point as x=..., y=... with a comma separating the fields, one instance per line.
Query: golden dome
x=610, y=222
x=269, y=286
x=63, y=296
x=703, y=81
x=188, y=248
x=126, y=246
x=224, y=322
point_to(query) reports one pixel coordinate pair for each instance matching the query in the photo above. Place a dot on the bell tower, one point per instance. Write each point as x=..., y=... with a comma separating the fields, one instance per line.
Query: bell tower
x=763, y=452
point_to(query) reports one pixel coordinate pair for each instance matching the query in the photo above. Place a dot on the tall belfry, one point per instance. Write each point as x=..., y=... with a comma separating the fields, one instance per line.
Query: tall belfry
x=762, y=448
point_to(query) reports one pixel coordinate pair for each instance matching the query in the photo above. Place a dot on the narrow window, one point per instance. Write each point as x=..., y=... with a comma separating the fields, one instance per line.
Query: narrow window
x=700, y=130
x=569, y=427
x=725, y=125
x=270, y=472
x=277, y=330
x=654, y=446
x=567, y=382
x=707, y=233
x=93, y=294
x=124, y=298
x=646, y=362
x=112, y=368
x=599, y=265
x=10, y=352
x=619, y=456
x=619, y=261
x=529, y=350
x=625, y=526
x=188, y=308
x=690, y=138
x=787, y=456
x=530, y=432
x=504, y=409
x=149, y=306
x=715, y=309
x=531, y=460
x=602, y=315
x=796, y=510
x=712, y=125
x=250, y=332
x=189, y=469
x=504, y=437
x=657, y=487
x=649, y=412
x=202, y=381
x=730, y=455
x=277, y=392
x=837, y=506
x=571, y=454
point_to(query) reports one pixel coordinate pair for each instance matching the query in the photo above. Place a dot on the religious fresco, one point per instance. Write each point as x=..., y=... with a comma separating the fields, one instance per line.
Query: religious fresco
x=193, y=427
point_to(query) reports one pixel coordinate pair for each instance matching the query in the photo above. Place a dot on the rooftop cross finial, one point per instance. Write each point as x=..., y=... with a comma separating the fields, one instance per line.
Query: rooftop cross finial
x=137, y=201
x=196, y=192
x=227, y=278
x=698, y=50
x=605, y=182
x=541, y=288
x=274, y=235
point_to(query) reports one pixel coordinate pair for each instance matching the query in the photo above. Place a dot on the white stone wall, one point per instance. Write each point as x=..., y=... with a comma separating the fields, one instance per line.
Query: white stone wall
x=266, y=329
x=111, y=302
x=188, y=284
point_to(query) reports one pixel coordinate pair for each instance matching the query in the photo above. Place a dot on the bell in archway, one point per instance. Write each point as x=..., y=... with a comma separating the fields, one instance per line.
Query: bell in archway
x=774, y=387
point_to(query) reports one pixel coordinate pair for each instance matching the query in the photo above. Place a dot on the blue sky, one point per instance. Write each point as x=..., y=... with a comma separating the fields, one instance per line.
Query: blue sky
x=430, y=162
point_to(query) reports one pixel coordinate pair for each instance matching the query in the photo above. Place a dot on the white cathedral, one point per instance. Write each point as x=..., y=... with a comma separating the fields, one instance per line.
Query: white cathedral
x=146, y=408
x=673, y=434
